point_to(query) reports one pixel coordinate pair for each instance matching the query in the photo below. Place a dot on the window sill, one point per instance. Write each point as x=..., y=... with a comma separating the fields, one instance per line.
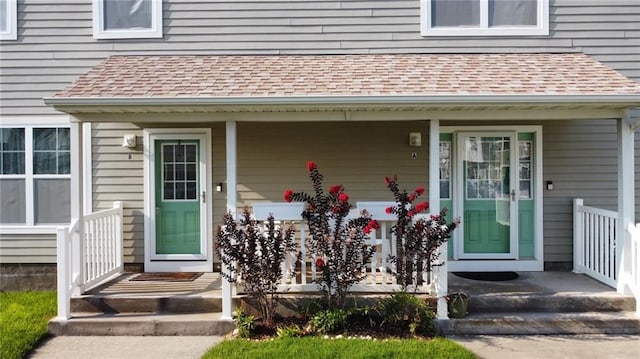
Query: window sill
x=48, y=229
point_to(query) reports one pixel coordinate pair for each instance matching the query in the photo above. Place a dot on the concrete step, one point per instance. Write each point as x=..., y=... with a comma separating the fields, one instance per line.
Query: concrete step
x=176, y=304
x=560, y=303
x=132, y=324
x=543, y=323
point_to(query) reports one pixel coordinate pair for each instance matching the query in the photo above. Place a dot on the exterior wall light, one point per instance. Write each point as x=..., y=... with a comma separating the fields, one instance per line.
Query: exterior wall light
x=129, y=141
x=415, y=139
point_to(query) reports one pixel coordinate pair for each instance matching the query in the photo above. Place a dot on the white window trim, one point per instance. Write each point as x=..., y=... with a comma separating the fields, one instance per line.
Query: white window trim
x=542, y=27
x=100, y=33
x=29, y=177
x=12, y=21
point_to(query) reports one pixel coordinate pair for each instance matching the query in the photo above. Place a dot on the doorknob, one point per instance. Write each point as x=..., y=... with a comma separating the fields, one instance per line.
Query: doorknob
x=513, y=195
x=203, y=197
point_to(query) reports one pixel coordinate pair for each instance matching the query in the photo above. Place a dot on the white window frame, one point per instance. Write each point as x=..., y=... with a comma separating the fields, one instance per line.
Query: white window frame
x=12, y=21
x=100, y=33
x=542, y=27
x=29, y=177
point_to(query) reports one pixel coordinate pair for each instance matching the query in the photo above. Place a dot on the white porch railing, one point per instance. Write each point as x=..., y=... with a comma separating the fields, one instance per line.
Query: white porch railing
x=594, y=242
x=91, y=258
x=378, y=277
x=634, y=266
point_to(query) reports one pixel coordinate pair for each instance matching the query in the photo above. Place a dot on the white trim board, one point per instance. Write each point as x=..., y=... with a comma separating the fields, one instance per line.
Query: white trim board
x=177, y=263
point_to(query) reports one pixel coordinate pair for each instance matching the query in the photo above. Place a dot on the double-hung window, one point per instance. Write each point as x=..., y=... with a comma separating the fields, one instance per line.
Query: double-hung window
x=8, y=20
x=127, y=19
x=35, y=175
x=484, y=17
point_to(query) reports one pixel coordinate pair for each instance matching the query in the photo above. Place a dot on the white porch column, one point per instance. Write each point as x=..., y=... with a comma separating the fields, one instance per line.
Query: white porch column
x=232, y=205
x=626, y=197
x=440, y=272
x=77, y=205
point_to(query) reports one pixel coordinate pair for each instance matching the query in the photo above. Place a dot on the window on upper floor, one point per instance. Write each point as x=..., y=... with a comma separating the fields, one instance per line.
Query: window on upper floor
x=35, y=175
x=127, y=19
x=484, y=17
x=8, y=20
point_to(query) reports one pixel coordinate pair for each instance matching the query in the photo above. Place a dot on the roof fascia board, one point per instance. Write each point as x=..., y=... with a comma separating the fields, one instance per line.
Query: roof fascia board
x=627, y=99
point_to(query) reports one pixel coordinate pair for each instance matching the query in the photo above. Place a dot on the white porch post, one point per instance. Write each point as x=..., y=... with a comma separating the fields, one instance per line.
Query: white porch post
x=440, y=272
x=77, y=205
x=626, y=197
x=232, y=205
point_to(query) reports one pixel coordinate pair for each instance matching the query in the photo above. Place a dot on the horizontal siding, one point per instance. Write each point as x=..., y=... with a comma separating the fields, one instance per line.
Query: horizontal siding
x=27, y=248
x=580, y=157
x=55, y=45
x=356, y=155
x=55, y=38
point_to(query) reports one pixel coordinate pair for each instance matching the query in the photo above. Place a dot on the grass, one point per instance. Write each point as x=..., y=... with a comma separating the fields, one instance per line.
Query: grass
x=314, y=347
x=23, y=321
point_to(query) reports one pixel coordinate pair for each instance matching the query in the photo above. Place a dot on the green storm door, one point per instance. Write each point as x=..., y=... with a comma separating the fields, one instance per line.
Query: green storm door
x=177, y=179
x=486, y=163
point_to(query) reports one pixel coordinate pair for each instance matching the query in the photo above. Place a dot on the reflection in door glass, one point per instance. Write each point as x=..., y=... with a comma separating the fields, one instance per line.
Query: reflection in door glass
x=486, y=167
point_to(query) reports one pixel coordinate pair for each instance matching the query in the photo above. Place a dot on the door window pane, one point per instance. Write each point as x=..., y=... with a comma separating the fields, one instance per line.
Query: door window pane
x=445, y=169
x=180, y=178
x=455, y=13
x=52, y=202
x=13, y=203
x=513, y=12
x=12, y=151
x=524, y=173
x=127, y=14
x=486, y=167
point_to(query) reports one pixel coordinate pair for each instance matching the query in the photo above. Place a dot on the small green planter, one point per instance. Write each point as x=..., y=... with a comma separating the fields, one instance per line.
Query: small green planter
x=458, y=304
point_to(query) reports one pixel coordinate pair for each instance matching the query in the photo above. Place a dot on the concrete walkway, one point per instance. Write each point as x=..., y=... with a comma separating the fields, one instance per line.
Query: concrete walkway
x=110, y=347
x=486, y=347
x=550, y=347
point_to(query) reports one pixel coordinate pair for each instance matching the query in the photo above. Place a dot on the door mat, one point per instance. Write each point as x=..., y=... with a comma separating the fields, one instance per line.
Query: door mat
x=167, y=277
x=488, y=276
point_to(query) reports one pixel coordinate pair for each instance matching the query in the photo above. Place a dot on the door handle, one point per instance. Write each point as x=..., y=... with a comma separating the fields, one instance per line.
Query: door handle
x=203, y=197
x=513, y=195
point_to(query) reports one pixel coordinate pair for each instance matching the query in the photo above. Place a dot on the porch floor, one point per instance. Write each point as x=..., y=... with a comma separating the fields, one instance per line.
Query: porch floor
x=530, y=283
x=534, y=283
x=207, y=285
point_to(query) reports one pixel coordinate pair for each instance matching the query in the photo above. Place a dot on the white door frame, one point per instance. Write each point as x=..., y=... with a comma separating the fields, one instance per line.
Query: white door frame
x=456, y=263
x=153, y=262
x=513, y=204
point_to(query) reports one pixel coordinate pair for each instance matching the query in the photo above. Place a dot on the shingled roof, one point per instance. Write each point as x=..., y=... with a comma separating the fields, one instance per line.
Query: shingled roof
x=349, y=75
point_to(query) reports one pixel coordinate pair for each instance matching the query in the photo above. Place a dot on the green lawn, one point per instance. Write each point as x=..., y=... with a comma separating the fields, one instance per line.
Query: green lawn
x=23, y=321
x=313, y=347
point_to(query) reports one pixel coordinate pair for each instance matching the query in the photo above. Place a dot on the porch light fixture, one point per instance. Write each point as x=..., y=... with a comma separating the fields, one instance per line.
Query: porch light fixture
x=129, y=141
x=219, y=187
x=415, y=139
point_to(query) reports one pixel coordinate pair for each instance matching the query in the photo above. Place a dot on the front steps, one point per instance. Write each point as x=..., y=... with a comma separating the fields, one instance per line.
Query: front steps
x=125, y=307
x=546, y=314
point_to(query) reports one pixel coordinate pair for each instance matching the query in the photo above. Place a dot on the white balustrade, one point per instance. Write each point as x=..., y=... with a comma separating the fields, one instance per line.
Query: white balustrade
x=594, y=242
x=102, y=260
x=378, y=271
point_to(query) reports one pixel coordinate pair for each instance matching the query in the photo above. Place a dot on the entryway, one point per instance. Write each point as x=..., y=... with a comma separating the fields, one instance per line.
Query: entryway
x=492, y=181
x=177, y=190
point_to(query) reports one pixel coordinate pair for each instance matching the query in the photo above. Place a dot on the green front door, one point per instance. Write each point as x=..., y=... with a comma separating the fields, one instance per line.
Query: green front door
x=178, y=229
x=488, y=191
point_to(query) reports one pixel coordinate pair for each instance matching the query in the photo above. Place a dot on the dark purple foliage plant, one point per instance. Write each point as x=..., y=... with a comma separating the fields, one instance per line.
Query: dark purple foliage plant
x=417, y=238
x=254, y=252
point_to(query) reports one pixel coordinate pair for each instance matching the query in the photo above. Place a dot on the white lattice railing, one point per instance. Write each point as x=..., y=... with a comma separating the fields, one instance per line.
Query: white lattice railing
x=378, y=276
x=90, y=259
x=594, y=242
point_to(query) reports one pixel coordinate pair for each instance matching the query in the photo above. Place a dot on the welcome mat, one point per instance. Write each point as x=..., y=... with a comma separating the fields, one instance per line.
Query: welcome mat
x=167, y=277
x=488, y=276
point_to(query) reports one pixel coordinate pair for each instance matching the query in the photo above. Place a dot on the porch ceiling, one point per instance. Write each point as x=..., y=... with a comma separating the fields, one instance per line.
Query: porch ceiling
x=396, y=82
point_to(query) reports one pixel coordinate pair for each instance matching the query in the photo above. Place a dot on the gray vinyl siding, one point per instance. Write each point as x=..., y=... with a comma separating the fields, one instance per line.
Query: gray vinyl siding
x=272, y=157
x=28, y=248
x=55, y=42
x=55, y=45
